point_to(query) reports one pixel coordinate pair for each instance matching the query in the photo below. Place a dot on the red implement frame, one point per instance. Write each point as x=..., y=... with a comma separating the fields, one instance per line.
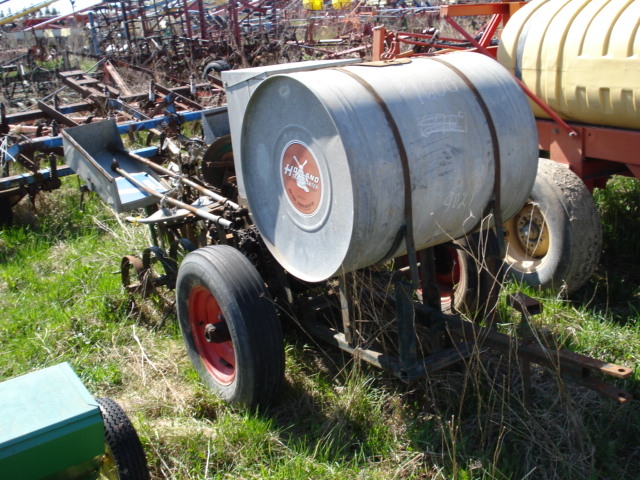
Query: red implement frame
x=594, y=153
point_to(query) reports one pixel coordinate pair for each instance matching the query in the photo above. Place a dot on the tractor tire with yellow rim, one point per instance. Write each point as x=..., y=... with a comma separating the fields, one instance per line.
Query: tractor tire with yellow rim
x=554, y=242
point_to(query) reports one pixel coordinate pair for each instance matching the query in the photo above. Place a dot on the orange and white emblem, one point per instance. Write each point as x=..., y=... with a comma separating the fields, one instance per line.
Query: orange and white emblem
x=301, y=178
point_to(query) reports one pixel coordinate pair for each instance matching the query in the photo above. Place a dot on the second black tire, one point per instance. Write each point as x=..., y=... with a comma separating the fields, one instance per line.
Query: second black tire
x=124, y=455
x=468, y=274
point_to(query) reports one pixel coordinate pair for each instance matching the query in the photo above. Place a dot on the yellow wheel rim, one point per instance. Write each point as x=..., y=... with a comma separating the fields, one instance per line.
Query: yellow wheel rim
x=527, y=238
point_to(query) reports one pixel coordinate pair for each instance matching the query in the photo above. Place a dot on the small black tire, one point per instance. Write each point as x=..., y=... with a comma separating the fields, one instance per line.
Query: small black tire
x=124, y=456
x=218, y=284
x=213, y=69
x=468, y=274
x=554, y=242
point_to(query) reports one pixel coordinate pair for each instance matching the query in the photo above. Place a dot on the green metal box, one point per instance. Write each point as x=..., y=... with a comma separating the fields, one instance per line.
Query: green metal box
x=51, y=426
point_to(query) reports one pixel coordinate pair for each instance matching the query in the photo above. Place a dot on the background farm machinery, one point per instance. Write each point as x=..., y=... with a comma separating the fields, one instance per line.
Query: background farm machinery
x=32, y=140
x=177, y=39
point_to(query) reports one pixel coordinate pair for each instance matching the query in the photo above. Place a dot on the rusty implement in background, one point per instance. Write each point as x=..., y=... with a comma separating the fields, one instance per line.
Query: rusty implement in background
x=31, y=135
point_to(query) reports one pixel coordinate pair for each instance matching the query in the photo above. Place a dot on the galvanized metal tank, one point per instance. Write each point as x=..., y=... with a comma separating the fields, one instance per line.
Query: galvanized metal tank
x=240, y=84
x=581, y=57
x=323, y=171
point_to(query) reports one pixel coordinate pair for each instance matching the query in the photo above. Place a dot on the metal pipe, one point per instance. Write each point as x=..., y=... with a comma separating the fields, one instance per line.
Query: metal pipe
x=56, y=140
x=58, y=18
x=186, y=181
x=223, y=222
x=233, y=21
x=25, y=12
x=143, y=18
x=125, y=23
x=204, y=32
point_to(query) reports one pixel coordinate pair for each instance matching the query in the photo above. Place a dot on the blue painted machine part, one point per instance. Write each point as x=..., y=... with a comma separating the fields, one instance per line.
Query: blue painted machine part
x=15, y=181
x=44, y=143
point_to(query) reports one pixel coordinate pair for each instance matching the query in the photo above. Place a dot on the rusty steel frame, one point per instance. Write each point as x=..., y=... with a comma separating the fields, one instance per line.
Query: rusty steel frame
x=467, y=338
x=594, y=153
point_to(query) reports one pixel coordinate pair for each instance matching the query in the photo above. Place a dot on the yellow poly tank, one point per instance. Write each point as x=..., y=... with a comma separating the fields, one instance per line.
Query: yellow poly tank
x=312, y=4
x=581, y=57
x=340, y=4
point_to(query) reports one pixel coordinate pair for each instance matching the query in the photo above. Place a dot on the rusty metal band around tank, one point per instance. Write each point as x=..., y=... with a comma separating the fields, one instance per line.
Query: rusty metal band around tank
x=495, y=145
x=406, y=175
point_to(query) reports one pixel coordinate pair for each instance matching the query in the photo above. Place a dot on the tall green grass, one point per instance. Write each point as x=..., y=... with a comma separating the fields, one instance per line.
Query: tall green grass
x=61, y=300
x=619, y=206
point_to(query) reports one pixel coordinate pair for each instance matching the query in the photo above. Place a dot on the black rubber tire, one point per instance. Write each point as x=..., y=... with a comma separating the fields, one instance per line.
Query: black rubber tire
x=477, y=281
x=122, y=444
x=214, y=68
x=564, y=208
x=254, y=327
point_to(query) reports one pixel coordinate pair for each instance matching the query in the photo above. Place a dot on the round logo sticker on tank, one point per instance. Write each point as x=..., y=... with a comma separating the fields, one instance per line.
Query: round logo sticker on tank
x=301, y=178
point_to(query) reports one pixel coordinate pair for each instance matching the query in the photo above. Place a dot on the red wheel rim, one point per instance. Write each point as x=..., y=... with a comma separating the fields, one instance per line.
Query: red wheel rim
x=218, y=358
x=447, y=271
